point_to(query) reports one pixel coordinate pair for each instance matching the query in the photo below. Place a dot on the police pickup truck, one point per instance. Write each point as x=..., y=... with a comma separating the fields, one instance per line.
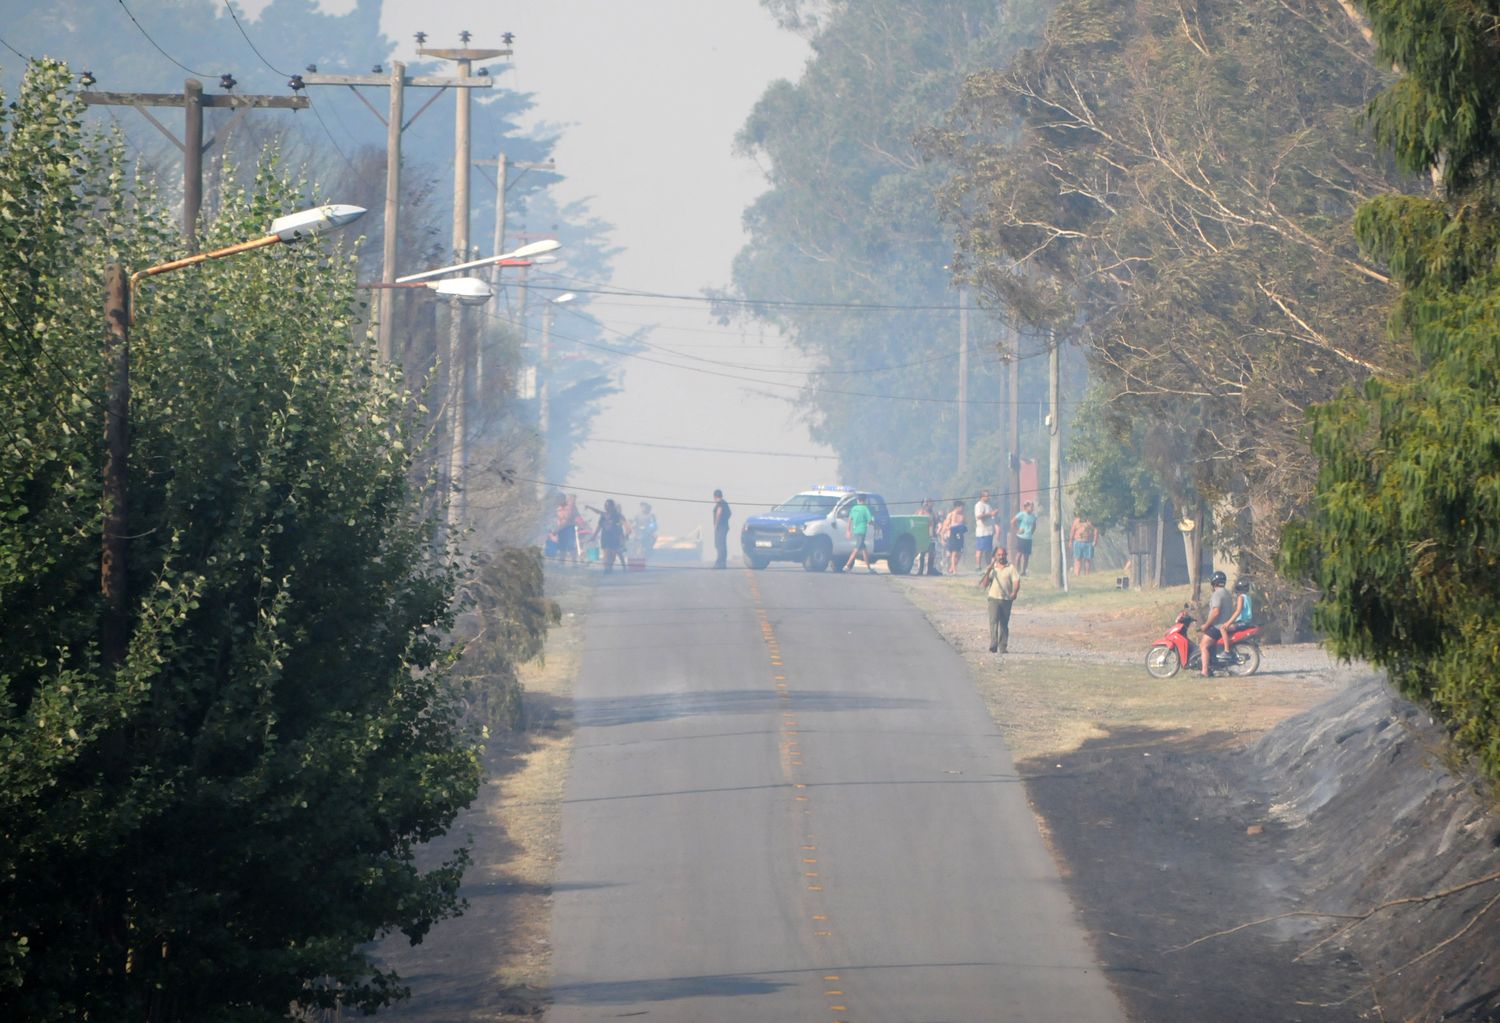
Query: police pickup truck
x=813, y=528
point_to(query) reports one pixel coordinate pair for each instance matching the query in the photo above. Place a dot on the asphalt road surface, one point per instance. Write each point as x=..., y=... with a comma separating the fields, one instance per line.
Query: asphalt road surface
x=787, y=803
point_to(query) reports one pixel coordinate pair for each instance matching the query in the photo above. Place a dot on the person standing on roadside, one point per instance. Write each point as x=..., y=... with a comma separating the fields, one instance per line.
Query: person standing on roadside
x=954, y=528
x=859, y=531
x=927, y=560
x=1002, y=584
x=1025, y=526
x=984, y=532
x=612, y=532
x=1084, y=536
x=721, y=530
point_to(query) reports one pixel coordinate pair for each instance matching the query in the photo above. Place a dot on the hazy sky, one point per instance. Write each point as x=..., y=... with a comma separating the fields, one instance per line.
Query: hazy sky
x=649, y=96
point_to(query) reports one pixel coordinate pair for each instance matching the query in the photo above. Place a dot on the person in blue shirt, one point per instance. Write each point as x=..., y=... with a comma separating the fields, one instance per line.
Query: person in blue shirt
x=1025, y=526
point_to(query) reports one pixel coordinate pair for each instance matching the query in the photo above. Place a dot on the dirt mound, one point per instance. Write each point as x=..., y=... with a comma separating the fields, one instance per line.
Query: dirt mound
x=1376, y=816
x=1204, y=869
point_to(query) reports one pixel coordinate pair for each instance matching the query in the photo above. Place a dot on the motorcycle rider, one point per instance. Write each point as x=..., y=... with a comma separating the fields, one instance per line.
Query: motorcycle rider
x=1240, y=617
x=1220, y=603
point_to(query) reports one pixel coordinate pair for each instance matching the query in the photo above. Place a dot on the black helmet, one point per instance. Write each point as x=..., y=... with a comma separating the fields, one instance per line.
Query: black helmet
x=1242, y=584
x=1218, y=579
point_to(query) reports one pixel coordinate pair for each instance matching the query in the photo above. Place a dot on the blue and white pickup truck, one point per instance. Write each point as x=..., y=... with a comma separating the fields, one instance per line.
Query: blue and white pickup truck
x=813, y=528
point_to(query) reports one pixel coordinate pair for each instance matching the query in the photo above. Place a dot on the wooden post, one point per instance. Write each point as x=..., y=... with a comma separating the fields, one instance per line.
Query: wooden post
x=113, y=577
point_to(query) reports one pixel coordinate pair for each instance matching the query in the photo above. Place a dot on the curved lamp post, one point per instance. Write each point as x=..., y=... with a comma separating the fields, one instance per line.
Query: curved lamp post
x=118, y=314
x=467, y=290
x=520, y=257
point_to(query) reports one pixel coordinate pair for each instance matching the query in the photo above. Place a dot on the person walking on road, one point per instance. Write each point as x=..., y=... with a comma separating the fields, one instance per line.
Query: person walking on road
x=984, y=532
x=1002, y=584
x=859, y=531
x=721, y=530
x=1025, y=526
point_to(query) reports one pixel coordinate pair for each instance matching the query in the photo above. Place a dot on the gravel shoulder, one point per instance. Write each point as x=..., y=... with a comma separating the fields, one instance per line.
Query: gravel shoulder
x=1226, y=841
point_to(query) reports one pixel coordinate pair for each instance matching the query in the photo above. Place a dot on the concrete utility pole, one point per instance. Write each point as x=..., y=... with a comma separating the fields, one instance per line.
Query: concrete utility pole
x=1054, y=467
x=395, y=124
x=963, y=377
x=192, y=144
x=502, y=167
x=460, y=347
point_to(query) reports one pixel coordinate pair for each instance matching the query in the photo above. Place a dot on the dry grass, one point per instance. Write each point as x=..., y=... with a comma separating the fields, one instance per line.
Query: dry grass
x=1077, y=667
x=535, y=766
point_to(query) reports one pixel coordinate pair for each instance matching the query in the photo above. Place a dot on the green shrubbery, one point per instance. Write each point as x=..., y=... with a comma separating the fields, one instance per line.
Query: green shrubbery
x=1404, y=539
x=216, y=829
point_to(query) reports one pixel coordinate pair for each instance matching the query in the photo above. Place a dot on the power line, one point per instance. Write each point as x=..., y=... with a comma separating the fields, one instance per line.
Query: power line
x=251, y=43
x=716, y=451
x=17, y=52
x=154, y=43
x=552, y=485
x=758, y=303
x=781, y=383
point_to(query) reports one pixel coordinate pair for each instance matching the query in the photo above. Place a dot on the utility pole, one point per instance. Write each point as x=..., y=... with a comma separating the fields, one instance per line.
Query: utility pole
x=502, y=167
x=963, y=377
x=460, y=348
x=112, y=575
x=1054, y=460
x=192, y=144
x=395, y=124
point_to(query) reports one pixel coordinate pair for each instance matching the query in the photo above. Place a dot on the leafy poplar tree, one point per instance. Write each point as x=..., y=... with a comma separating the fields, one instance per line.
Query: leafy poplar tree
x=215, y=829
x=1404, y=537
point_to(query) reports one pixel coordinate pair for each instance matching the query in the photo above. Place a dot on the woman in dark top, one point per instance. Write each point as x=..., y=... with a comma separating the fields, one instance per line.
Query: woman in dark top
x=612, y=530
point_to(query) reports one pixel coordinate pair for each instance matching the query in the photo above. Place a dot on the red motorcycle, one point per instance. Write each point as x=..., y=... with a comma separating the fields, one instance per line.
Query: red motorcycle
x=1175, y=650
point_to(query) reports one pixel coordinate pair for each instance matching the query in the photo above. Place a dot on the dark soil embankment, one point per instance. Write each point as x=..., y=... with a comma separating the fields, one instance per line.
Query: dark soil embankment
x=1169, y=839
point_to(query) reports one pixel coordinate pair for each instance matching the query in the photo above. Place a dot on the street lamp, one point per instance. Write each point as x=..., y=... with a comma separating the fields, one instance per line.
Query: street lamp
x=467, y=290
x=118, y=313
x=520, y=257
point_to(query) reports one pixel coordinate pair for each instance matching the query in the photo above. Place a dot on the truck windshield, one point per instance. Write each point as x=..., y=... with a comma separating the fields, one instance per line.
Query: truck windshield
x=804, y=503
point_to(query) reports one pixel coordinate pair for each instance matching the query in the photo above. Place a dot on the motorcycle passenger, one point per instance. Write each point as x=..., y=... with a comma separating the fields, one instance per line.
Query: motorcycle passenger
x=1219, y=606
x=1240, y=617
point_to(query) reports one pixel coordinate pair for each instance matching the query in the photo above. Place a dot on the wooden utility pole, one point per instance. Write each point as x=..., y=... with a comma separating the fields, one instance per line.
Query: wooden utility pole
x=460, y=347
x=191, y=144
x=395, y=124
x=112, y=574
x=963, y=377
x=1054, y=460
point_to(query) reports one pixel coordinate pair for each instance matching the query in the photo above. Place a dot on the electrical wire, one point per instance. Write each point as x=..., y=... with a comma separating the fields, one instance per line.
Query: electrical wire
x=716, y=451
x=552, y=485
x=250, y=42
x=780, y=383
x=154, y=43
x=17, y=52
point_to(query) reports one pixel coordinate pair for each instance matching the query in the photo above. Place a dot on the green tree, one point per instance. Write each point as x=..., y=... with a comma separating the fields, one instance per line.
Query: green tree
x=850, y=218
x=1172, y=185
x=1403, y=538
x=215, y=829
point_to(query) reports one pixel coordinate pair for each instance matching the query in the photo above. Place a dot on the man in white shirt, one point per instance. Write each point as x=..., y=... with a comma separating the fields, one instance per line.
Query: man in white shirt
x=984, y=531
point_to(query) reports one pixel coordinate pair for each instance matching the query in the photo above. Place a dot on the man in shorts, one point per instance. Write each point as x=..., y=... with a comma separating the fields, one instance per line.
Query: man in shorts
x=1220, y=605
x=859, y=531
x=984, y=531
x=1025, y=526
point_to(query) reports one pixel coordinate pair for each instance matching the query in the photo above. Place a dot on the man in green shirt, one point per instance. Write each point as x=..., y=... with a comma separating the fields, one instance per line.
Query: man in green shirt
x=859, y=530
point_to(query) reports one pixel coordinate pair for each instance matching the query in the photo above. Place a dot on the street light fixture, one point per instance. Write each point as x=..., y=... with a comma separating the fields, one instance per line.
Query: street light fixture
x=543, y=390
x=520, y=257
x=118, y=314
x=467, y=290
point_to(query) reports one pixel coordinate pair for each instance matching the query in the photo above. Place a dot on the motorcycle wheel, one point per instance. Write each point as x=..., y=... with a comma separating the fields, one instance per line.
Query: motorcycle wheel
x=1162, y=662
x=1246, y=660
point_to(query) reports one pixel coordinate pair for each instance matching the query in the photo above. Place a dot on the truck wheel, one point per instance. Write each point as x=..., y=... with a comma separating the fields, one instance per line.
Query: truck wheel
x=756, y=561
x=817, y=556
x=902, y=557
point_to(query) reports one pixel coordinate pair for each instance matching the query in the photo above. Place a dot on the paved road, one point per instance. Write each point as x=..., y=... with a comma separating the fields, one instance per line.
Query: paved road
x=787, y=803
